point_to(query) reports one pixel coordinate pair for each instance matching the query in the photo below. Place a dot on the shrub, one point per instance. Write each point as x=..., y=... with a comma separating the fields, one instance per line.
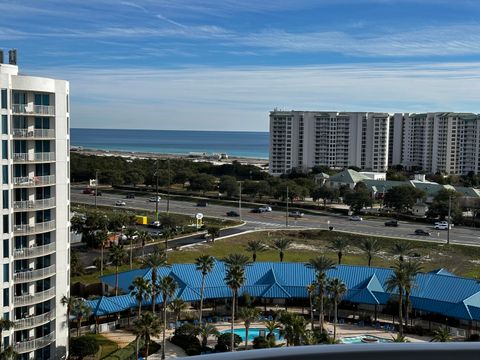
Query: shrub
x=225, y=340
x=185, y=337
x=260, y=342
x=474, y=337
x=128, y=352
x=84, y=346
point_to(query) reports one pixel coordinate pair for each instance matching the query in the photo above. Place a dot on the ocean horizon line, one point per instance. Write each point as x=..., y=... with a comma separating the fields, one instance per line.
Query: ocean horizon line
x=175, y=130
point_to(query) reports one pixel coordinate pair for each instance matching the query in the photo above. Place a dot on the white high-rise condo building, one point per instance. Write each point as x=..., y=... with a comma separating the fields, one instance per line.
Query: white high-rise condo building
x=35, y=219
x=447, y=143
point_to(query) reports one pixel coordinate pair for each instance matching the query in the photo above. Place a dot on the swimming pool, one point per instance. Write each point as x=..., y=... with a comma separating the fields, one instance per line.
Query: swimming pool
x=252, y=333
x=364, y=339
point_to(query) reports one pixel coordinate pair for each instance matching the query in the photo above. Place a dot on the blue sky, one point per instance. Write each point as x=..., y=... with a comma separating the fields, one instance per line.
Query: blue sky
x=224, y=64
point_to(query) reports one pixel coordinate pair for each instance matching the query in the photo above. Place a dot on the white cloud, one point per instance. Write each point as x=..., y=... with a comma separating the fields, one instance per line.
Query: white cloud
x=240, y=98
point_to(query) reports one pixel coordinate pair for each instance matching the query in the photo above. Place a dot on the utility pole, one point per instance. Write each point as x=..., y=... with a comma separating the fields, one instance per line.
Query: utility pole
x=168, y=190
x=96, y=187
x=240, y=202
x=156, y=193
x=286, y=212
x=448, y=219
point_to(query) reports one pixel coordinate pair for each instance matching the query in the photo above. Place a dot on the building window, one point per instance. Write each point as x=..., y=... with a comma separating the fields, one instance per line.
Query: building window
x=6, y=253
x=4, y=125
x=5, y=174
x=6, y=226
x=5, y=199
x=3, y=99
x=6, y=272
x=4, y=149
x=6, y=300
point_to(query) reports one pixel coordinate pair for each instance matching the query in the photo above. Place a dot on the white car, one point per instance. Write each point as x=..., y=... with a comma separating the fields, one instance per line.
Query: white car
x=120, y=203
x=265, y=208
x=443, y=223
x=442, y=226
x=355, y=218
x=155, y=199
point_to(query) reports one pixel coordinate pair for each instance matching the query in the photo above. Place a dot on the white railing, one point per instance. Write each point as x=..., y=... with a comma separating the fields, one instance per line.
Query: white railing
x=32, y=275
x=36, y=133
x=34, y=157
x=30, y=299
x=26, y=253
x=38, y=227
x=34, y=344
x=34, y=204
x=33, y=109
x=32, y=321
x=34, y=180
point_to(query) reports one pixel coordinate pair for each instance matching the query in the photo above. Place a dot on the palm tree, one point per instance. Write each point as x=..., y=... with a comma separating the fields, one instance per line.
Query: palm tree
x=214, y=232
x=397, y=282
x=5, y=325
x=69, y=302
x=337, y=289
x=338, y=245
x=248, y=315
x=321, y=264
x=441, y=335
x=311, y=290
x=205, y=331
x=205, y=264
x=370, y=247
x=8, y=354
x=255, y=246
x=141, y=291
x=282, y=245
x=130, y=234
x=234, y=278
x=167, y=287
x=399, y=339
x=81, y=311
x=143, y=236
x=146, y=327
x=102, y=238
x=236, y=259
x=154, y=261
x=177, y=306
x=294, y=328
x=402, y=249
x=167, y=234
x=118, y=256
x=271, y=326
x=412, y=268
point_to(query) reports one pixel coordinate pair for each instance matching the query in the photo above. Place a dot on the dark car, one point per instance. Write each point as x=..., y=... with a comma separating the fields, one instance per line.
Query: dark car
x=202, y=204
x=391, y=223
x=422, y=232
x=233, y=213
x=130, y=196
x=257, y=210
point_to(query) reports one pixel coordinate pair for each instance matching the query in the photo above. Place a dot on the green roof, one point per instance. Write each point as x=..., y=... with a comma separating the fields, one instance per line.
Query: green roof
x=383, y=185
x=348, y=176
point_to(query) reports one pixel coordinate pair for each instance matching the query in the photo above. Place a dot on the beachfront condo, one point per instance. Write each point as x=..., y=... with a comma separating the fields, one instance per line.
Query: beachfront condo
x=35, y=198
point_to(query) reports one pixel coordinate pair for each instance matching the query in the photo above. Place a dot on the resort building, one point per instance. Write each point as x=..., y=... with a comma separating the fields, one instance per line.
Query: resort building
x=35, y=199
x=447, y=143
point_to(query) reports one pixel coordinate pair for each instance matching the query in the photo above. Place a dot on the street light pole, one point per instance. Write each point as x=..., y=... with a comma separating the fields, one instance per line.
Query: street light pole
x=240, y=202
x=286, y=212
x=168, y=190
x=96, y=187
x=448, y=219
x=156, y=193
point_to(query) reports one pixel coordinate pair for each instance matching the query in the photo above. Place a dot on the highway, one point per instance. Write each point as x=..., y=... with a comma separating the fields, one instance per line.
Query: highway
x=276, y=220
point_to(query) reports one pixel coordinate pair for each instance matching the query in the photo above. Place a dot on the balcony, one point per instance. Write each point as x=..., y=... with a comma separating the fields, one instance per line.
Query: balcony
x=33, y=157
x=32, y=321
x=30, y=109
x=29, y=181
x=25, y=229
x=30, y=299
x=34, y=251
x=34, y=344
x=34, y=134
x=33, y=204
x=33, y=275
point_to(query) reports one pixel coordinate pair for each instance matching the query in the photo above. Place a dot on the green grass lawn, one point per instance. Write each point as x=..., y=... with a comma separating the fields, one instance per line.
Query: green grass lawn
x=107, y=346
x=461, y=260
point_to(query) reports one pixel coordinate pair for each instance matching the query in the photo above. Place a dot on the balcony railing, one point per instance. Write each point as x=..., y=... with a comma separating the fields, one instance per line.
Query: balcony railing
x=36, y=133
x=34, y=251
x=30, y=299
x=34, y=344
x=33, y=321
x=29, y=109
x=33, y=157
x=33, y=275
x=28, y=181
x=36, y=228
x=34, y=204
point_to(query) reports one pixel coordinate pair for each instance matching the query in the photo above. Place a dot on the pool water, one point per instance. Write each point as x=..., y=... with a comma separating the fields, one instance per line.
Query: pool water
x=252, y=333
x=358, y=340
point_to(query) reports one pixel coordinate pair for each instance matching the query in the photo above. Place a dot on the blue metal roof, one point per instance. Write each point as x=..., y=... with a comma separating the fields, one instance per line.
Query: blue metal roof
x=438, y=291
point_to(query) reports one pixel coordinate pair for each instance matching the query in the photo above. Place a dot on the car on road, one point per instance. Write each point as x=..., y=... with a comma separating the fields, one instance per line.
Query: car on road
x=258, y=210
x=265, y=208
x=232, y=213
x=130, y=196
x=443, y=223
x=442, y=226
x=155, y=199
x=393, y=223
x=155, y=224
x=295, y=214
x=120, y=203
x=202, y=203
x=356, y=218
x=88, y=191
x=422, y=232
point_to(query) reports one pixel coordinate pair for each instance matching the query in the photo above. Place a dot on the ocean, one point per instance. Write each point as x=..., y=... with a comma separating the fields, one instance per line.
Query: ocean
x=233, y=143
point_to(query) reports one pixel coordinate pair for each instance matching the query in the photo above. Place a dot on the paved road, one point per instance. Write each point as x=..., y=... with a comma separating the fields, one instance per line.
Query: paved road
x=276, y=219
